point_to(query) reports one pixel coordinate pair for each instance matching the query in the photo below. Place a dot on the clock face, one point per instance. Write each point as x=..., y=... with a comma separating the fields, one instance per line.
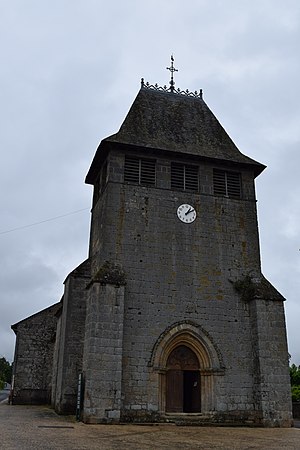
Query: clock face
x=186, y=213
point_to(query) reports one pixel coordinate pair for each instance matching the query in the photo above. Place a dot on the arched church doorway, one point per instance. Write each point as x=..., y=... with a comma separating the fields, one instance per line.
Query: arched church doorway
x=183, y=388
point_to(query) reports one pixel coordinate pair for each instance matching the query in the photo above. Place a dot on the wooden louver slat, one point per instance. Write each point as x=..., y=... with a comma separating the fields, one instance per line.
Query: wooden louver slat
x=227, y=184
x=184, y=177
x=140, y=171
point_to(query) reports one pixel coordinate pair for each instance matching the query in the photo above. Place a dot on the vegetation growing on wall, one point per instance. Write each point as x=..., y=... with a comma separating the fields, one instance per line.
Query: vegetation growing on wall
x=245, y=287
x=110, y=273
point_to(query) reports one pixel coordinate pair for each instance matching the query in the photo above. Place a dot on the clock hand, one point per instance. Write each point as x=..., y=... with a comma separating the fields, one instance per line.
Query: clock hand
x=189, y=211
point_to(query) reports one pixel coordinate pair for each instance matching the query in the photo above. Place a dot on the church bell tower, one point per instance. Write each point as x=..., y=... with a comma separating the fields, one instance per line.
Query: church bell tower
x=180, y=322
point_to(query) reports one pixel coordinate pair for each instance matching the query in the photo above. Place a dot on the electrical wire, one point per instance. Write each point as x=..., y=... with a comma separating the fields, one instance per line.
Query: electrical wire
x=43, y=221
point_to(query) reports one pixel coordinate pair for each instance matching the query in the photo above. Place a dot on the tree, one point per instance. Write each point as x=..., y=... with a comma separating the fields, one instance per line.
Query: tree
x=295, y=375
x=5, y=371
x=295, y=382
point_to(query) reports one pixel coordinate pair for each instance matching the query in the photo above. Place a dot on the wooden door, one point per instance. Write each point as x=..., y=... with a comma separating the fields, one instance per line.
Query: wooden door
x=183, y=381
x=174, y=400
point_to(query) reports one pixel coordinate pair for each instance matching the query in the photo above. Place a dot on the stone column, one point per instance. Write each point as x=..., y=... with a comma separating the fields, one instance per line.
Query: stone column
x=207, y=401
x=272, y=391
x=103, y=351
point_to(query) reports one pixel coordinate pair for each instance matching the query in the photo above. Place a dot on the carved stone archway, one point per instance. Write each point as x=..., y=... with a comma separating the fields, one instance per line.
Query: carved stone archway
x=209, y=360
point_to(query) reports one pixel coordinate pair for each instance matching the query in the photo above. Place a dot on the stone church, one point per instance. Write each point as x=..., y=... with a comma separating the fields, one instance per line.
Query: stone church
x=169, y=318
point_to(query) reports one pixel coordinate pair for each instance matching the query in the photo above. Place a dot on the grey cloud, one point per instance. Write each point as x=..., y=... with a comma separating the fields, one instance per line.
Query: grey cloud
x=67, y=82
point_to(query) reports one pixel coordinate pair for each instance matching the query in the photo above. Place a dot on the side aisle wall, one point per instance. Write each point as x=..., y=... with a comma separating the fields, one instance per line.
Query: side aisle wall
x=35, y=338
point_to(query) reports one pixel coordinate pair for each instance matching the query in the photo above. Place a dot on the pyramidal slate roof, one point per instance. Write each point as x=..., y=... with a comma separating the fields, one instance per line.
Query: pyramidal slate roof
x=173, y=122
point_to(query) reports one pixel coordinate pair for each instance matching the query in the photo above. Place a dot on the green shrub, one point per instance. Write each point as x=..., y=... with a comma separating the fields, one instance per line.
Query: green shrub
x=295, y=375
x=5, y=370
x=296, y=393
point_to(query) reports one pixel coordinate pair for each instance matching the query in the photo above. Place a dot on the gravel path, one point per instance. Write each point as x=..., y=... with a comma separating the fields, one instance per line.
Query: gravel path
x=38, y=427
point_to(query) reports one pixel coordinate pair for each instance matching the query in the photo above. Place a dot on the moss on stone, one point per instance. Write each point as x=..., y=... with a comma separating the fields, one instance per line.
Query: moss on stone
x=110, y=273
x=245, y=288
x=250, y=288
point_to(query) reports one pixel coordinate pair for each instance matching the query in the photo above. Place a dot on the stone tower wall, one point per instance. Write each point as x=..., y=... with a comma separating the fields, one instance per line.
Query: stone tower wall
x=181, y=272
x=103, y=353
x=271, y=374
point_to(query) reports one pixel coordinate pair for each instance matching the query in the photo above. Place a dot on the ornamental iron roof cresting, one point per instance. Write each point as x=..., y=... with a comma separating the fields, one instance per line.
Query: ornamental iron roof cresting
x=172, y=88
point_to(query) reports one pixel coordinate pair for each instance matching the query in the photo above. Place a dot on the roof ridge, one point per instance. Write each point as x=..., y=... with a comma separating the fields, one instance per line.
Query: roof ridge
x=170, y=90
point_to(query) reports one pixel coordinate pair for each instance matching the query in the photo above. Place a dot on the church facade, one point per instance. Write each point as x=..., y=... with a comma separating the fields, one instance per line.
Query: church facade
x=170, y=317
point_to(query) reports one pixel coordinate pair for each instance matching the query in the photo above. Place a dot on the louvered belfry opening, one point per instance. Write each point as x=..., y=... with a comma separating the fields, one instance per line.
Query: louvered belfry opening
x=227, y=184
x=184, y=177
x=139, y=171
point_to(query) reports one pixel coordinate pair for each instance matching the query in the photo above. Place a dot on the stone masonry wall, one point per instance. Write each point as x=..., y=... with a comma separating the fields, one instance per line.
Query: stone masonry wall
x=177, y=271
x=71, y=340
x=272, y=379
x=103, y=353
x=56, y=355
x=33, y=357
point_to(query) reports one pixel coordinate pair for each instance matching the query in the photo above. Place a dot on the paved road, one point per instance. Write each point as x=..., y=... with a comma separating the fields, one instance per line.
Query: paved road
x=4, y=395
x=33, y=428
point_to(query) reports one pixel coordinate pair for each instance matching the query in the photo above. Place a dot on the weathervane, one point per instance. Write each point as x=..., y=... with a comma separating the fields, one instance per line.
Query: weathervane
x=172, y=70
x=171, y=89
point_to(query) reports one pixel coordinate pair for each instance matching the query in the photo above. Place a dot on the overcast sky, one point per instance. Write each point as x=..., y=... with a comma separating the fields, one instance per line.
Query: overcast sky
x=70, y=70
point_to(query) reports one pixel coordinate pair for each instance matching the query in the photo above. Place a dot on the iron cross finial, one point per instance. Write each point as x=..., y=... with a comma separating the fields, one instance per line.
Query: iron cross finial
x=172, y=70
